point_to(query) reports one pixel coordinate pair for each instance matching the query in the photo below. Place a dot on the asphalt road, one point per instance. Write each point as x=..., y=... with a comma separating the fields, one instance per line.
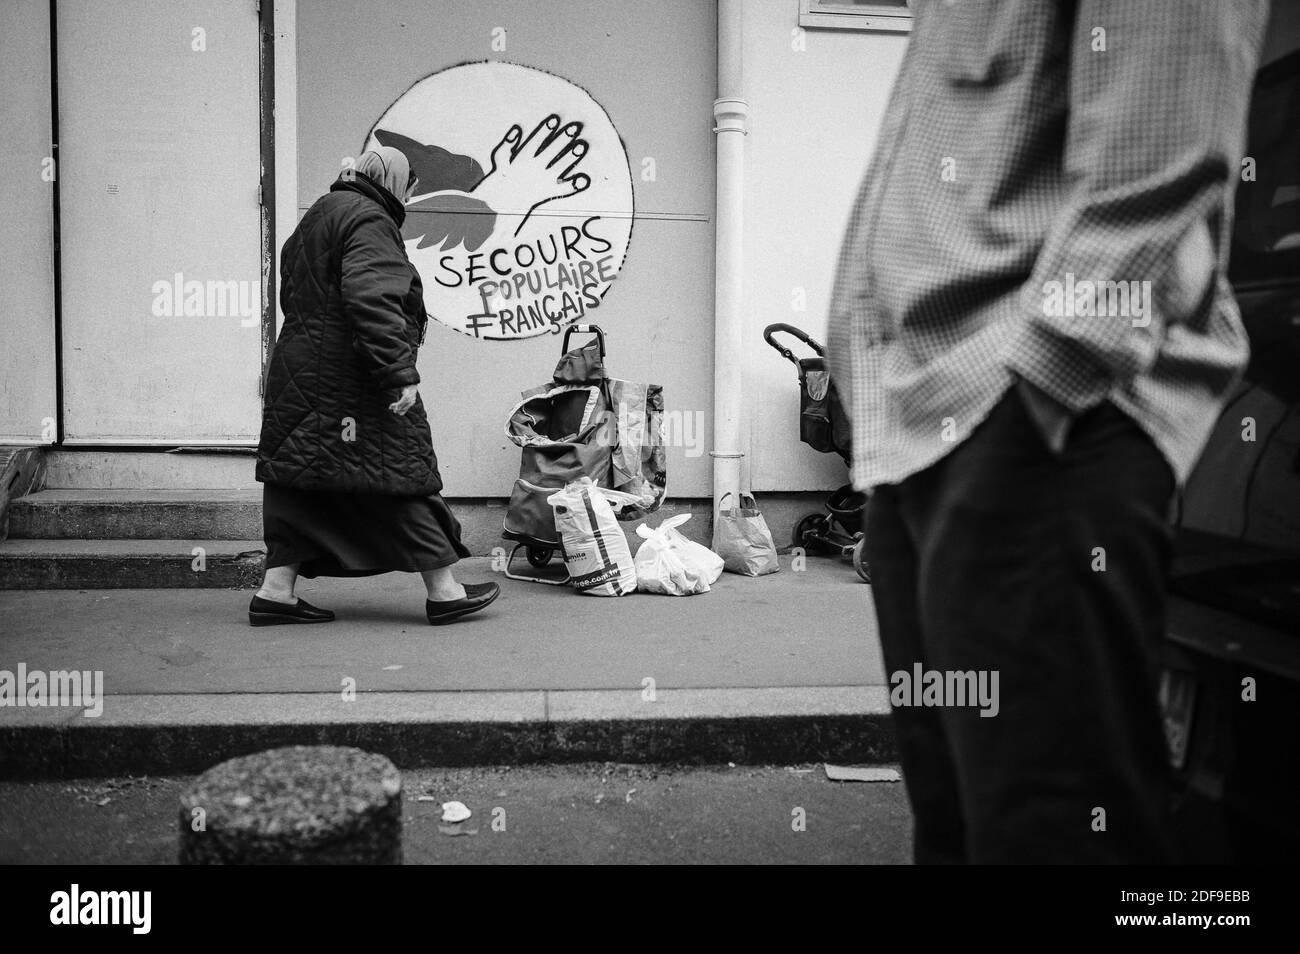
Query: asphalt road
x=552, y=814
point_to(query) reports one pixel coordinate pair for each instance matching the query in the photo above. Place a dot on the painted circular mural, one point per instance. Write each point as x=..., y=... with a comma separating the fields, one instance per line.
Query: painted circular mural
x=523, y=213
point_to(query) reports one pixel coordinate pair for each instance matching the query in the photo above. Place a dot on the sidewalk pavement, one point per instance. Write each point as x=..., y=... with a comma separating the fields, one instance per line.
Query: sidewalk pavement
x=780, y=668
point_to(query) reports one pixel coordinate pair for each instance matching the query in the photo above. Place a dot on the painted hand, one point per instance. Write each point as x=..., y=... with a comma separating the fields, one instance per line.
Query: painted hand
x=527, y=172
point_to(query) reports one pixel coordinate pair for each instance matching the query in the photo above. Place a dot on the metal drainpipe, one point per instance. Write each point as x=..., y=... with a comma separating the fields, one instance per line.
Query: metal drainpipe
x=730, y=114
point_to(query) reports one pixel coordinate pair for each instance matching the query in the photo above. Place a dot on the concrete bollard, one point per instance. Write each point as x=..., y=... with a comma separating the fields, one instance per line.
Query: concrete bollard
x=302, y=805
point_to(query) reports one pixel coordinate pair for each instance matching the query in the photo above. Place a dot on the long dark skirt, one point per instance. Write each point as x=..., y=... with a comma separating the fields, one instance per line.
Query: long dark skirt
x=343, y=534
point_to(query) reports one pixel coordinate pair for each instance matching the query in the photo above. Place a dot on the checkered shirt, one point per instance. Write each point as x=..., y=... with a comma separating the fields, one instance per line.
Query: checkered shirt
x=1029, y=148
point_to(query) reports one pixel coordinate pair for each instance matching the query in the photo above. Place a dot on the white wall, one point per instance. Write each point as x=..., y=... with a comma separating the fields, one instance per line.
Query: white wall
x=652, y=66
x=27, y=395
x=814, y=114
x=158, y=126
x=813, y=121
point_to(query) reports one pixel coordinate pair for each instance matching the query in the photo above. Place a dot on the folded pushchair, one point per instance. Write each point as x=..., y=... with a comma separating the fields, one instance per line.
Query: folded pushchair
x=581, y=423
x=824, y=426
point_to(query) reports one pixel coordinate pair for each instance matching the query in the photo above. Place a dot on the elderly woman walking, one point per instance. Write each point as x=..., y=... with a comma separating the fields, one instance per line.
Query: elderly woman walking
x=351, y=482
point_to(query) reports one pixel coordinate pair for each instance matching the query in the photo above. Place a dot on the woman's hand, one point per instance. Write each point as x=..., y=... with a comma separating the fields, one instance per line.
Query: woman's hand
x=406, y=401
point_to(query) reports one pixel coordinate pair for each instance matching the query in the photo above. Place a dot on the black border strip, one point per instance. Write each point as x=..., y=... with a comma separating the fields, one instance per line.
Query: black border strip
x=56, y=224
x=266, y=101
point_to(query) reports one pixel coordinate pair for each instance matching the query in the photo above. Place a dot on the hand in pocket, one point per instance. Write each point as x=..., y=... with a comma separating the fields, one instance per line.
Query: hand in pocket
x=1051, y=419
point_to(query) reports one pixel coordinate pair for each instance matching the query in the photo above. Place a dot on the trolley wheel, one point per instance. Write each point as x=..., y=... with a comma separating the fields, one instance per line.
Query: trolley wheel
x=860, y=560
x=539, y=556
x=808, y=530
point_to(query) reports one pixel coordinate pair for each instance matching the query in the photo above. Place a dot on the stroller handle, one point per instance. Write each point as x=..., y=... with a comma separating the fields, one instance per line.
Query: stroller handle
x=583, y=330
x=782, y=327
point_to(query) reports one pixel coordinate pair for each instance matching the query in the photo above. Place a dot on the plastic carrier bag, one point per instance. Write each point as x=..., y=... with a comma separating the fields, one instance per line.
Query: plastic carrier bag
x=741, y=537
x=638, y=457
x=596, y=553
x=669, y=563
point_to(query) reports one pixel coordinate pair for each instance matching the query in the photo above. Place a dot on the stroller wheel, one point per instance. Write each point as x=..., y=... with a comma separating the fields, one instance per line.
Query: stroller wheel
x=860, y=559
x=539, y=556
x=808, y=531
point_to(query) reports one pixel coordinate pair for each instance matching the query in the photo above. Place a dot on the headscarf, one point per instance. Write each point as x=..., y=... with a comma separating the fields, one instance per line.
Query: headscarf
x=387, y=167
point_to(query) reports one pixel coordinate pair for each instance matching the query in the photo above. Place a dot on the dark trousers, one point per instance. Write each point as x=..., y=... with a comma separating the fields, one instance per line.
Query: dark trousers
x=990, y=560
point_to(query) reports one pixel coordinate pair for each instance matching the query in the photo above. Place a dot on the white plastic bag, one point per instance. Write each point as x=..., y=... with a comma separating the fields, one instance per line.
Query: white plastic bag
x=669, y=563
x=596, y=553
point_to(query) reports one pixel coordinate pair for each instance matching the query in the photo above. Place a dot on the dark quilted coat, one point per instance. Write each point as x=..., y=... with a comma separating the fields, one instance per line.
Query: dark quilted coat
x=353, y=321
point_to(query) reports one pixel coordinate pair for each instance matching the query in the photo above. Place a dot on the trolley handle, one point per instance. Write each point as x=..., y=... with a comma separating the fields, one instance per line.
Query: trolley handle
x=781, y=327
x=584, y=330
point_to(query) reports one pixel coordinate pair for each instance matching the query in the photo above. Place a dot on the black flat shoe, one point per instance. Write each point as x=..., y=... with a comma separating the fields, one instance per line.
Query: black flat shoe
x=270, y=613
x=477, y=596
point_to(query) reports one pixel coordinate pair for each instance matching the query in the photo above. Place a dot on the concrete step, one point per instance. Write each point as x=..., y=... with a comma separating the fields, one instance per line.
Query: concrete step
x=219, y=514
x=209, y=514
x=64, y=538
x=230, y=468
x=135, y=564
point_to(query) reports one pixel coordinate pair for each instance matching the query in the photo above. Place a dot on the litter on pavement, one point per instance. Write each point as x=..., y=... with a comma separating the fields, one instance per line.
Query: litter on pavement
x=861, y=773
x=455, y=812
